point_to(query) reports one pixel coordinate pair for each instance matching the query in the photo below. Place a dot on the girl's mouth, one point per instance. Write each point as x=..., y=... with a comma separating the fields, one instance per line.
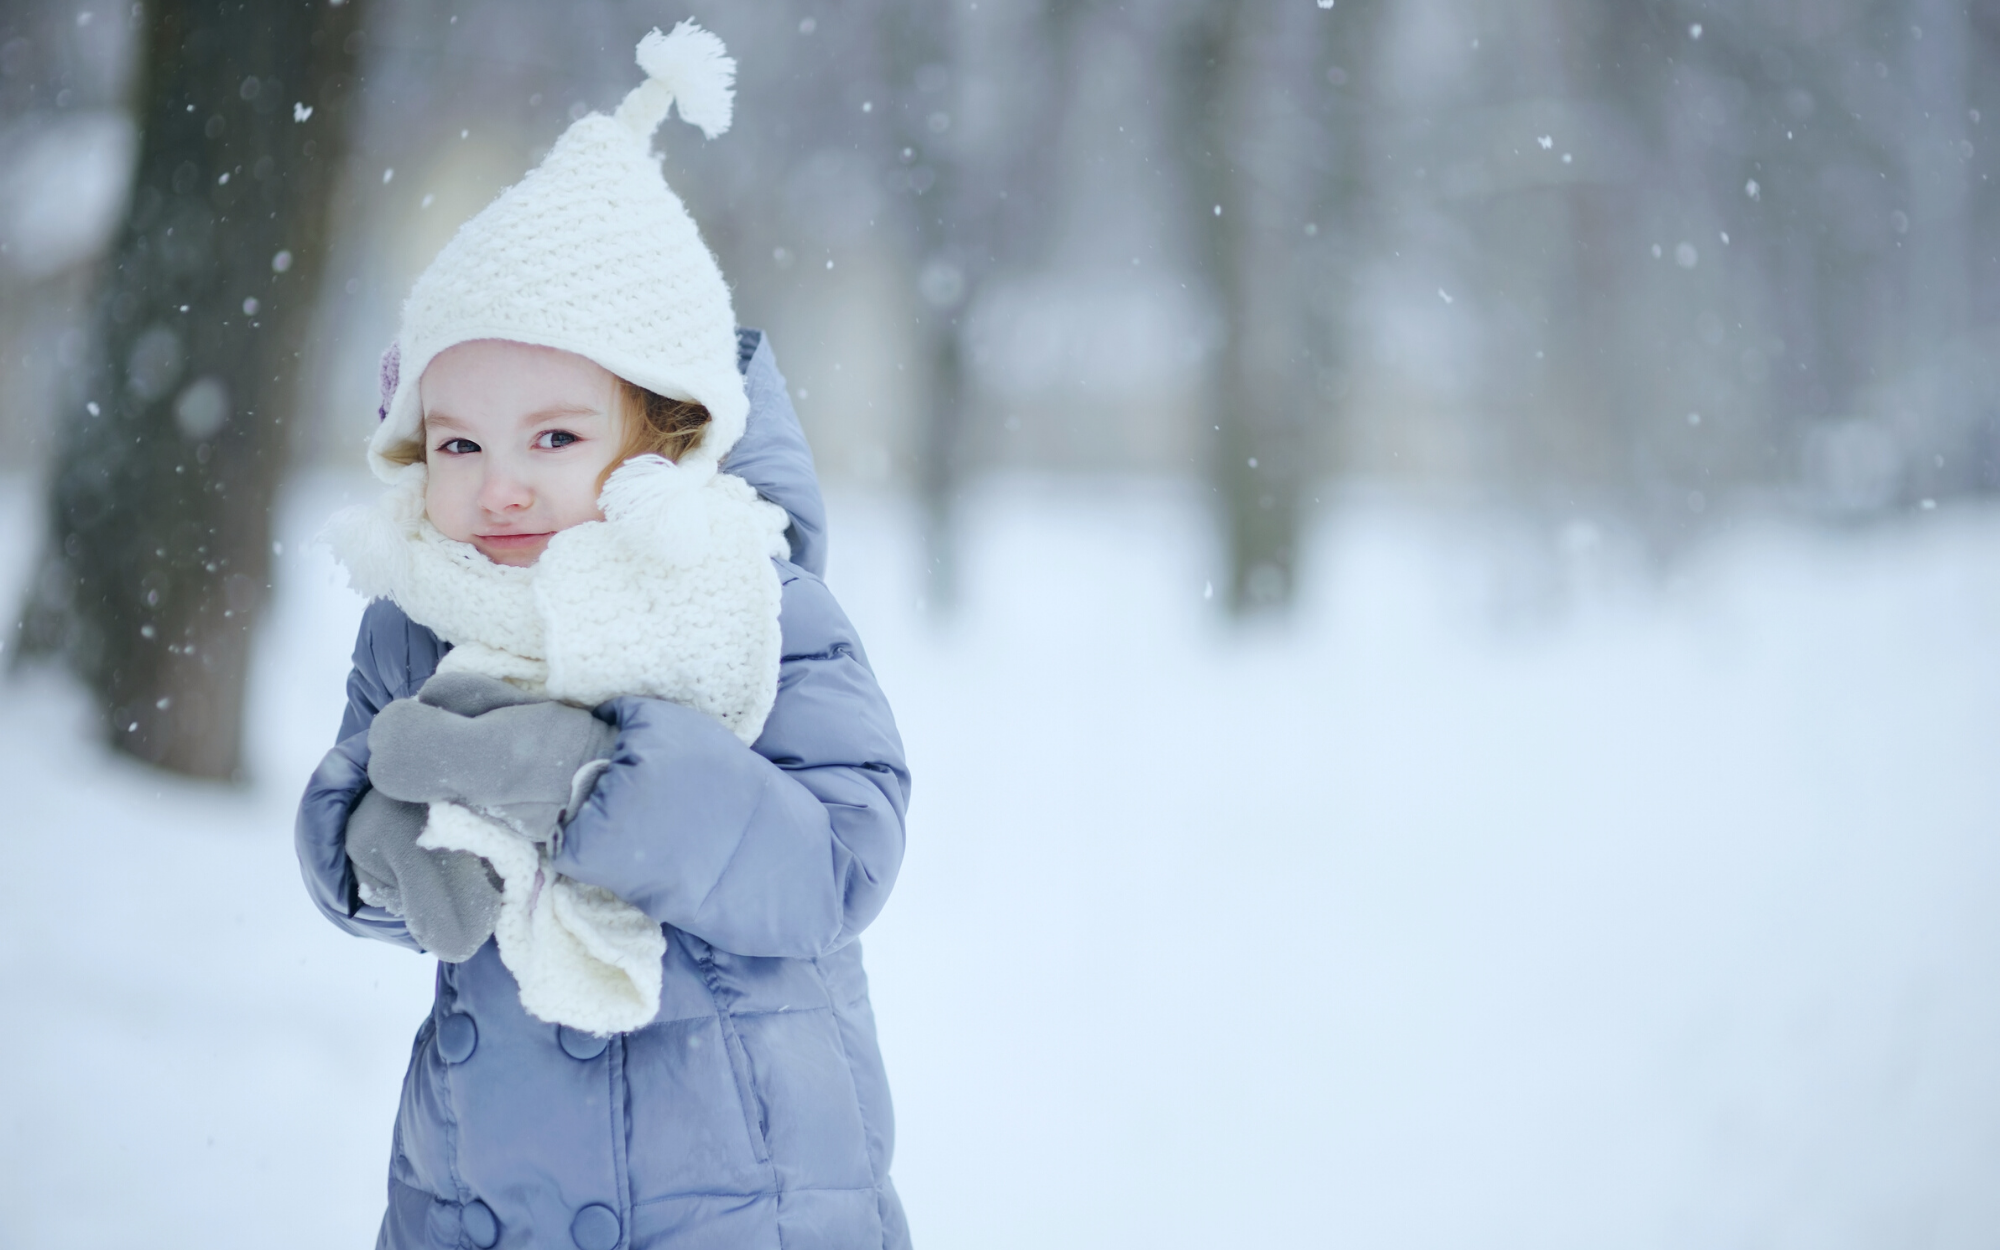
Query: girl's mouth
x=513, y=542
x=515, y=549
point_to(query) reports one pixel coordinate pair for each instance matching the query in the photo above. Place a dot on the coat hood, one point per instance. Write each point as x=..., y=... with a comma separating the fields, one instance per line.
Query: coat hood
x=773, y=455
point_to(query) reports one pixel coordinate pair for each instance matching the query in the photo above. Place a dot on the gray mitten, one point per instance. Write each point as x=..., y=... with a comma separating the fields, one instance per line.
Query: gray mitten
x=448, y=899
x=481, y=743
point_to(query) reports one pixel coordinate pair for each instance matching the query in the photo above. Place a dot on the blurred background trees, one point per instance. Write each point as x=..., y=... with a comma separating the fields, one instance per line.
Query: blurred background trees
x=1623, y=272
x=166, y=464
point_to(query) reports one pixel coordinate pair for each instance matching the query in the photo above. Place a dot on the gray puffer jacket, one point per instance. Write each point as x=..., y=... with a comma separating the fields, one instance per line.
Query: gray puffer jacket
x=753, y=1111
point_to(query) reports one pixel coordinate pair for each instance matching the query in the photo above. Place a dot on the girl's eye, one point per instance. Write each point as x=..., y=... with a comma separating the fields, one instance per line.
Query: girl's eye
x=552, y=439
x=458, y=447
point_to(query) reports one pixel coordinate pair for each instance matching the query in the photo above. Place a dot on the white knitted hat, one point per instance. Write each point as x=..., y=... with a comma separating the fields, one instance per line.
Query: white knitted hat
x=593, y=254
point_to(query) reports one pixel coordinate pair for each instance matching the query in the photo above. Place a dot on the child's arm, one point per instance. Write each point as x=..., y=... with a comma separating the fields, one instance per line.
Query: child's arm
x=385, y=660
x=788, y=848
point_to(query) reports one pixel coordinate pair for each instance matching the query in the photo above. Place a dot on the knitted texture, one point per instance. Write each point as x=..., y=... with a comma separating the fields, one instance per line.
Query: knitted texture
x=672, y=595
x=592, y=253
x=581, y=956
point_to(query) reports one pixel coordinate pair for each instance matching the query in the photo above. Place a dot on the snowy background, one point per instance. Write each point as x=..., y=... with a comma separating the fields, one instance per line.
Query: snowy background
x=1577, y=827
x=1666, y=921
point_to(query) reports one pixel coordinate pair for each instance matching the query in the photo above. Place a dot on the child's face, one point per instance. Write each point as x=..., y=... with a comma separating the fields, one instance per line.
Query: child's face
x=515, y=438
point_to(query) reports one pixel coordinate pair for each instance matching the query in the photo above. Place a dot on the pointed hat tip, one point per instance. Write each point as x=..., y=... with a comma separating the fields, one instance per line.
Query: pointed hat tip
x=689, y=67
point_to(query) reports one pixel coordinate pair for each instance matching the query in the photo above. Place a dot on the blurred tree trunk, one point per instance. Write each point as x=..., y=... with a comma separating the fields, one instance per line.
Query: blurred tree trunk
x=160, y=499
x=1263, y=147
x=1939, y=234
x=973, y=209
x=918, y=43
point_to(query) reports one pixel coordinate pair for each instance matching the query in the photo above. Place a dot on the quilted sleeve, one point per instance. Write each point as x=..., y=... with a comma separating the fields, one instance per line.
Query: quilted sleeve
x=787, y=847
x=389, y=655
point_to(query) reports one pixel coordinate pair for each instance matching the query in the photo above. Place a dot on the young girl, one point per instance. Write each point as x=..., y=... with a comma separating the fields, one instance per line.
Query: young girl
x=611, y=749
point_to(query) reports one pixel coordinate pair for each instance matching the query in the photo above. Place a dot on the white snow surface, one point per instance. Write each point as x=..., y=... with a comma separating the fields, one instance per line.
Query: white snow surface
x=1663, y=920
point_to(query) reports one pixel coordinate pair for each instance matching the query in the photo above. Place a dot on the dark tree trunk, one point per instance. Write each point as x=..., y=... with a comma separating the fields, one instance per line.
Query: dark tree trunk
x=160, y=500
x=962, y=222
x=1265, y=151
x=924, y=81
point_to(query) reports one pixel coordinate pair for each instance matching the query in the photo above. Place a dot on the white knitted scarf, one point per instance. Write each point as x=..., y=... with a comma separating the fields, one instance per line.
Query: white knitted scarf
x=672, y=595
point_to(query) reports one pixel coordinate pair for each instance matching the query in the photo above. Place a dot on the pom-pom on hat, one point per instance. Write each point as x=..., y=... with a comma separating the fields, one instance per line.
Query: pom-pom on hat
x=592, y=253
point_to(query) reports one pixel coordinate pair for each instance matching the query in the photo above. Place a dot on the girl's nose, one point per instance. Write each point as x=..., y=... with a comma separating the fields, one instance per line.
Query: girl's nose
x=502, y=491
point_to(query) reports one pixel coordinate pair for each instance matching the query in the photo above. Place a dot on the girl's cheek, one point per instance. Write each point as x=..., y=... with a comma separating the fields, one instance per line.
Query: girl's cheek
x=443, y=499
x=579, y=493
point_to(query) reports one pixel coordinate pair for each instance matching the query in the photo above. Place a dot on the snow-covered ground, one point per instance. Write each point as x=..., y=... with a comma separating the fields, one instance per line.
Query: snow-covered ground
x=1664, y=919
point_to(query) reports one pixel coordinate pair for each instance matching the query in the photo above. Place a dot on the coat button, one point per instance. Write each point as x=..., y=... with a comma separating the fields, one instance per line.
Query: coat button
x=595, y=1228
x=457, y=1036
x=480, y=1226
x=578, y=1044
